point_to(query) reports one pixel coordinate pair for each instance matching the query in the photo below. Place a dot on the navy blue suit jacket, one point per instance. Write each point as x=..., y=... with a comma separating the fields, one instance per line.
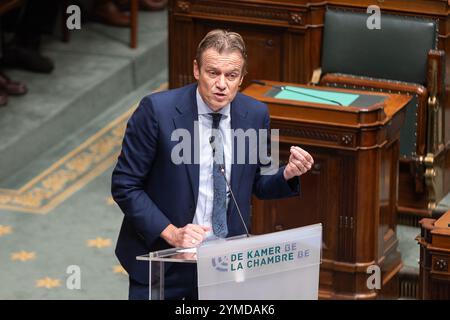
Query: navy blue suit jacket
x=153, y=192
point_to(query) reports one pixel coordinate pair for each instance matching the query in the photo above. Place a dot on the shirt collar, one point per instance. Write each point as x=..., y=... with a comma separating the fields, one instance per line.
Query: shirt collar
x=203, y=108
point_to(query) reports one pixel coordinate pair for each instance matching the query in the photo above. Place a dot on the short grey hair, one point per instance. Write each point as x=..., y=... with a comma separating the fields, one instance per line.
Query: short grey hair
x=222, y=40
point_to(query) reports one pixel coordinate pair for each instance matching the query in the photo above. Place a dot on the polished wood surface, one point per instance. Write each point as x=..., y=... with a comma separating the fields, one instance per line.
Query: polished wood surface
x=434, y=242
x=351, y=188
x=376, y=114
x=284, y=42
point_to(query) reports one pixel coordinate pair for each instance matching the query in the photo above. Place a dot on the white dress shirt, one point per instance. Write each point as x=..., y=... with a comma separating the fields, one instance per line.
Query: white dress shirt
x=203, y=212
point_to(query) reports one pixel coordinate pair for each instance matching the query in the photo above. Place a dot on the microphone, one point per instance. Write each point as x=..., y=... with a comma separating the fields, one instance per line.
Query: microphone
x=213, y=147
x=222, y=171
x=283, y=88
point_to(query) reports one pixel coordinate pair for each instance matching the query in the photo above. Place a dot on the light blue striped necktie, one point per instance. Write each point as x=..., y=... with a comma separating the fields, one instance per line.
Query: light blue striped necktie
x=219, y=214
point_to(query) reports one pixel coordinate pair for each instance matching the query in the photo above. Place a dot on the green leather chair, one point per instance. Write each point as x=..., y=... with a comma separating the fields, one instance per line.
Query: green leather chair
x=401, y=57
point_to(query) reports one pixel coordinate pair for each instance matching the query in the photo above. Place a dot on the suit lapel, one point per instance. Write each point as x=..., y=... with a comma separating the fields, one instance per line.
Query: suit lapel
x=188, y=114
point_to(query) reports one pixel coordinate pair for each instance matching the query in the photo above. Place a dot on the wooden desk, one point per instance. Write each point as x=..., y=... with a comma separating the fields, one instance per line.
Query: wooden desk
x=351, y=190
x=434, y=241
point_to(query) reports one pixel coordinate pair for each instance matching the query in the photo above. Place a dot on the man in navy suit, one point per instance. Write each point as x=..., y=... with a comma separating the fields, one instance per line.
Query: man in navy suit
x=168, y=203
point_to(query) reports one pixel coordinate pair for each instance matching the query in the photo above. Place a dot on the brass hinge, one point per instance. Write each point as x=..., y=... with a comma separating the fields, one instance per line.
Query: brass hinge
x=418, y=172
x=430, y=174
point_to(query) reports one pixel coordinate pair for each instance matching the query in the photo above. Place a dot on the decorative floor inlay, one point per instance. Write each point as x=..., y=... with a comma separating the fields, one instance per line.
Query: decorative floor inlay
x=72, y=172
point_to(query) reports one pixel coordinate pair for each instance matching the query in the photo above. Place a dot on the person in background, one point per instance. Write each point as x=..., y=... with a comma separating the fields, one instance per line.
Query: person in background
x=115, y=12
x=8, y=87
x=26, y=25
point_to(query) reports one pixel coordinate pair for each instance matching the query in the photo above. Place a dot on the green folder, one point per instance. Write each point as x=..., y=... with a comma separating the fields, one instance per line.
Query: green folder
x=316, y=96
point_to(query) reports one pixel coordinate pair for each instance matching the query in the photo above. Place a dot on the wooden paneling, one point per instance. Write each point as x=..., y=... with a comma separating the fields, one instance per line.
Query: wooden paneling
x=284, y=40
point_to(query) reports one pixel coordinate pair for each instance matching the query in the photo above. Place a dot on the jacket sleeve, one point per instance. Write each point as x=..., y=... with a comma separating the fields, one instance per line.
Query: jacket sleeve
x=134, y=164
x=273, y=185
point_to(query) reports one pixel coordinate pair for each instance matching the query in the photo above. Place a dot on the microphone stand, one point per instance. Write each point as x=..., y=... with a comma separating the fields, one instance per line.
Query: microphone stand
x=222, y=171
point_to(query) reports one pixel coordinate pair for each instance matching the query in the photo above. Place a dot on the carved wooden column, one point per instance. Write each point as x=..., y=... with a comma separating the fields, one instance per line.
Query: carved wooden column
x=434, y=241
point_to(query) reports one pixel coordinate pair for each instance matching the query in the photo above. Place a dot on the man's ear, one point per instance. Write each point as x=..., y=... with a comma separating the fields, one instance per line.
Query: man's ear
x=196, y=70
x=242, y=79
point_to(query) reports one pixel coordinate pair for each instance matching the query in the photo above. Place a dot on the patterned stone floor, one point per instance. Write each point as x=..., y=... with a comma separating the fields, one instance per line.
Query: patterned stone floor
x=58, y=223
x=63, y=222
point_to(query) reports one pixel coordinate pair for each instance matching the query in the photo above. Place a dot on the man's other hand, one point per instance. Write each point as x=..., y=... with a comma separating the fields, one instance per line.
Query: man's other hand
x=300, y=162
x=191, y=235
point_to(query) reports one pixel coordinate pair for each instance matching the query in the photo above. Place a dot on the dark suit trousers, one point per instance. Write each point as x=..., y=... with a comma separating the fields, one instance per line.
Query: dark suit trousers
x=180, y=284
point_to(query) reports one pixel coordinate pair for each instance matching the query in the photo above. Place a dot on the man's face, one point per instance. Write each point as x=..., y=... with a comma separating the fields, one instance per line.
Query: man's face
x=219, y=77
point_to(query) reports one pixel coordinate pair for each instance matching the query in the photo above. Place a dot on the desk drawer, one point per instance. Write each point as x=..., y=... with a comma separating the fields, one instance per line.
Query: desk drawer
x=440, y=265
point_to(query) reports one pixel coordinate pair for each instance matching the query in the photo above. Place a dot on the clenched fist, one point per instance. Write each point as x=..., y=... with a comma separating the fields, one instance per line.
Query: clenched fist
x=300, y=162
